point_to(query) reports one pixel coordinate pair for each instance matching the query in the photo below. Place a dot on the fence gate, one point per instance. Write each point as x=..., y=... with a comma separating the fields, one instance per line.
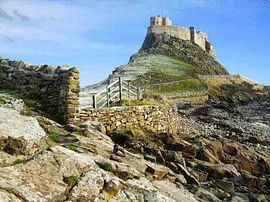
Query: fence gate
x=113, y=92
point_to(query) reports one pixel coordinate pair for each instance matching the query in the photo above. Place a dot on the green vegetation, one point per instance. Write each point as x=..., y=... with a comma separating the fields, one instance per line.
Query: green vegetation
x=135, y=103
x=107, y=167
x=71, y=180
x=17, y=161
x=71, y=146
x=151, y=68
x=2, y=101
x=186, y=85
x=234, y=89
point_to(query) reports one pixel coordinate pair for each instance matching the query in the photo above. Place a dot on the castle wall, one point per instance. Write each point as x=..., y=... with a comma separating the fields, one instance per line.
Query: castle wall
x=57, y=89
x=150, y=118
x=179, y=32
x=163, y=25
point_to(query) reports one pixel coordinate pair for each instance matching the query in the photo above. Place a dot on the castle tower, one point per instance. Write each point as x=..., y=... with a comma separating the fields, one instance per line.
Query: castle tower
x=156, y=20
x=166, y=21
x=160, y=21
x=192, y=34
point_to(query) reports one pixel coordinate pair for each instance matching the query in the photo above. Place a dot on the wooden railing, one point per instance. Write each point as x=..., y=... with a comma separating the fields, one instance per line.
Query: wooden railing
x=114, y=92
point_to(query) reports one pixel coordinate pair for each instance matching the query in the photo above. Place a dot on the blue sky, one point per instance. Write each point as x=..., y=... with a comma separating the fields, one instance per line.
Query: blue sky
x=98, y=36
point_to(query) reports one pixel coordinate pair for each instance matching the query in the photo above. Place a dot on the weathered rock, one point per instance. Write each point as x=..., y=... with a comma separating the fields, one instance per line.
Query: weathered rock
x=6, y=196
x=206, y=155
x=150, y=158
x=231, y=149
x=91, y=127
x=20, y=134
x=158, y=171
x=219, y=193
x=15, y=104
x=251, y=181
x=190, y=178
x=70, y=162
x=36, y=180
x=177, y=193
x=224, y=185
x=89, y=187
x=172, y=156
x=217, y=171
x=206, y=195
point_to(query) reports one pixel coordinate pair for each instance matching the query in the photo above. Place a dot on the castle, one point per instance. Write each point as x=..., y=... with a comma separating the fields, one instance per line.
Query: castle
x=163, y=25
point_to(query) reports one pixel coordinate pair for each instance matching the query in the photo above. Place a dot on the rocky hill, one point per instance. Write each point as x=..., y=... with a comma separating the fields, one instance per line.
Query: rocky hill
x=166, y=58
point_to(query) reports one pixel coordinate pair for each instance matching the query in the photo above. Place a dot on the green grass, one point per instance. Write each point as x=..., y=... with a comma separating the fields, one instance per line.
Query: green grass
x=71, y=180
x=186, y=85
x=151, y=68
x=134, y=103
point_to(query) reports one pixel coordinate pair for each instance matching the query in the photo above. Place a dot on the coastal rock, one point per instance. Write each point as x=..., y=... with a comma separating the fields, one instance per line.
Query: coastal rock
x=20, y=135
x=36, y=180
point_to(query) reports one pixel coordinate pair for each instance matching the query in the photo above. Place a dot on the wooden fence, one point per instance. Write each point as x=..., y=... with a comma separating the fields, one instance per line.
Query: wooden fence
x=113, y=92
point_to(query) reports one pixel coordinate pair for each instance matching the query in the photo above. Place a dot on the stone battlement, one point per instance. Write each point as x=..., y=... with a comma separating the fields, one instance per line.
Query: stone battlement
x=163, y=25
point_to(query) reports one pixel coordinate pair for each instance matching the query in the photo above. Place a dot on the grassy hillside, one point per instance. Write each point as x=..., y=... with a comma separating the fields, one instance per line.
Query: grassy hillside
x=234, y=89
x=151, y=68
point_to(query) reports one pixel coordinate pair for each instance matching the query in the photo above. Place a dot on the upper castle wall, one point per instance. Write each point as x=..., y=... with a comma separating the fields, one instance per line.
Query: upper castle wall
x=163, y=25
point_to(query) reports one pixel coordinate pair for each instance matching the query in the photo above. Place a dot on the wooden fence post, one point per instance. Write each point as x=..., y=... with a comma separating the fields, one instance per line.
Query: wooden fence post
x=94, y=101
x=109, y=89
x=108, y=96
x=129, y=90
x=138, y=93
x=120, y=88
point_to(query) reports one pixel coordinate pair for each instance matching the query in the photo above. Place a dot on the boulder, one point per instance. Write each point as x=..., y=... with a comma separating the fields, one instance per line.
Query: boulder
x=172, y=156
x=206, y=195
x=36, y=180
x=224, y=185
x=189, y=178
x=207, y=155
x=217, y=171
x=20, y=135
x=70, y=162
x=231, y=149
x=158, y=171
x=89, y=187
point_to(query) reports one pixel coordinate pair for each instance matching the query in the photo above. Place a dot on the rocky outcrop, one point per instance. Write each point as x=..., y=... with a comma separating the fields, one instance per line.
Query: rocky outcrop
x=185, y=50
x=20, y=135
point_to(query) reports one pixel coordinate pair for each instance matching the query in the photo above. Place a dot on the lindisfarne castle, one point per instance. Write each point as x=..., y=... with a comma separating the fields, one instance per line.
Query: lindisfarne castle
x=163, y=25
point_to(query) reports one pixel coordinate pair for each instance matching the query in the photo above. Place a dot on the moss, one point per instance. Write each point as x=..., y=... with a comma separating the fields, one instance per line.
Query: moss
x=2, y=101
x=17, y=161
x=71, y=180
x=54, y=134
x=107, y=167
x=71, y=146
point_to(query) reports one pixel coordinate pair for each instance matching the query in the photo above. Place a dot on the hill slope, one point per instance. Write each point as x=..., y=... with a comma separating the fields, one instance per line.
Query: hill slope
x=164, y=58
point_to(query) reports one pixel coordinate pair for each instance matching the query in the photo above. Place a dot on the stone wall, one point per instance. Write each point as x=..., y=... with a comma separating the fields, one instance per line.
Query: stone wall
x=57, y=89
x=150, y=118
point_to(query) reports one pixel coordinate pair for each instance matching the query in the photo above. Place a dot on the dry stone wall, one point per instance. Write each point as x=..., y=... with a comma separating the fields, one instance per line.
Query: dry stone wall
x=150, y=118
x=56, y=88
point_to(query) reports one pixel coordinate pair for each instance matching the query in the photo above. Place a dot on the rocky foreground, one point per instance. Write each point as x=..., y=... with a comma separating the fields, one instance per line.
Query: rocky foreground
x=220, y=154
